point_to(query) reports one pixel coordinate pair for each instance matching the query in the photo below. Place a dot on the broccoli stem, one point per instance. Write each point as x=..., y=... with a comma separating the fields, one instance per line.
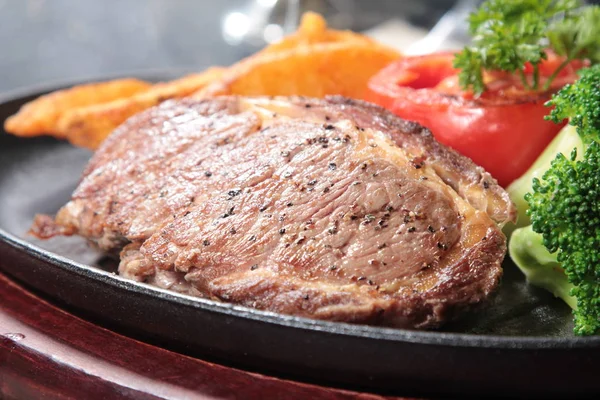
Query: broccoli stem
x=566, y=140
x=527, y=250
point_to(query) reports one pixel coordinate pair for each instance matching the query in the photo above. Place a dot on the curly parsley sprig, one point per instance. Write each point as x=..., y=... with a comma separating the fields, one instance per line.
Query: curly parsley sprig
x=508, y=34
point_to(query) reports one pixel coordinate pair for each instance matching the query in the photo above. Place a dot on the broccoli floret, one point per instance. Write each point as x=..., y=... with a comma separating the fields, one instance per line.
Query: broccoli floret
x=580, y=103
x=564, y=208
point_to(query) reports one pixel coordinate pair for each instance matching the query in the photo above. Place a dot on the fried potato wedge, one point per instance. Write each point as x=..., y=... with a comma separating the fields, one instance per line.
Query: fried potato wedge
x=41, y=115
x=316, y=70
x=314, y=61
x=88, y=126
x=313, y=30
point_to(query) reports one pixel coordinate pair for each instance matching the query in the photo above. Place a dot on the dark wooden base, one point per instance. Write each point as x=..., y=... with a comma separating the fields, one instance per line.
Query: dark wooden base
x=48, y=353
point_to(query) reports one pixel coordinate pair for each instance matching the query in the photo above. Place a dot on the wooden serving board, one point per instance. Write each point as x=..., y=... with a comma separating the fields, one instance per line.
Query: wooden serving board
x=47, y=353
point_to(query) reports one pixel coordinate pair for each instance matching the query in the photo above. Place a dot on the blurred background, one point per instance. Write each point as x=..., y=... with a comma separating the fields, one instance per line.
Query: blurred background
x=43, y=41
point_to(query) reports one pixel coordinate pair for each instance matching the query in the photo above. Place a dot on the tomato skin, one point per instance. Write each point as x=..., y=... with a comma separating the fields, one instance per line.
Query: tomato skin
x=503, y=130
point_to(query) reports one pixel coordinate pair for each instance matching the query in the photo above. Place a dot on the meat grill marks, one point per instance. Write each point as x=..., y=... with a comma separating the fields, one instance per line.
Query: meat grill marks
x=298, y=206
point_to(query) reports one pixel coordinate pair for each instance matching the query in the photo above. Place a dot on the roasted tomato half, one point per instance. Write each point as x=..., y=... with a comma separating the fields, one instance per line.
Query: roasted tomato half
x=503, y=129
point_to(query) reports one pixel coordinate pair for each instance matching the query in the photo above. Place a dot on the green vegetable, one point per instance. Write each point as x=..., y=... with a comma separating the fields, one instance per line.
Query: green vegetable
x=566, y=140
x=508, y=34
x=540, y=267
x=564, y=208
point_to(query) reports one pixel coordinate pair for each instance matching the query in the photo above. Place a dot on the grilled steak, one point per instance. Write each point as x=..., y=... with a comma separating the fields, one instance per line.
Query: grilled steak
x=331, y=209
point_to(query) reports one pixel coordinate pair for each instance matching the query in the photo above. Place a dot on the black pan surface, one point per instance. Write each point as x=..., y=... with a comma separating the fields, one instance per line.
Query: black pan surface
x=522, y=345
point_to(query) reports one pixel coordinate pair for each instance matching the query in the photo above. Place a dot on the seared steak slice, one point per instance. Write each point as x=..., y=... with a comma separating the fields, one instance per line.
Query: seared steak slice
x=330, y=209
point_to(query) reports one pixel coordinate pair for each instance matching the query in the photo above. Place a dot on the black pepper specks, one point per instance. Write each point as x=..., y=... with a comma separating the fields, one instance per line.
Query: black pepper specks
x=206, y=242
x=368, y=219
x=207, y=174
x=328, y=127
x=412, y=229
x=282, y=231
x=253, y=267
x=332, y=166
x=289, y=204
x=234, y=192
x=442, y=246
x=486, y=185
x=333, y=229
x=431, y=229
x=229, y=213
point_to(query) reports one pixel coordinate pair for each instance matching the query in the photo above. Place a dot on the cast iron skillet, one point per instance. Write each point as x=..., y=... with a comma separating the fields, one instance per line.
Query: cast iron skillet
x=521, y=345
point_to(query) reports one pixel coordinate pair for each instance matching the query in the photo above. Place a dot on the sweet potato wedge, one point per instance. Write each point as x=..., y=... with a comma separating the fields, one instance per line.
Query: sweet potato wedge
x=313, y=30
x=88, y=126
x=314, y=70
x=41, y=115
x=313, y=61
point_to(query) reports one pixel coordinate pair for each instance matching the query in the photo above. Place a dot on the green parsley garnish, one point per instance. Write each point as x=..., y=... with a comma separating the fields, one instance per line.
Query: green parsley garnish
x=508, y=34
